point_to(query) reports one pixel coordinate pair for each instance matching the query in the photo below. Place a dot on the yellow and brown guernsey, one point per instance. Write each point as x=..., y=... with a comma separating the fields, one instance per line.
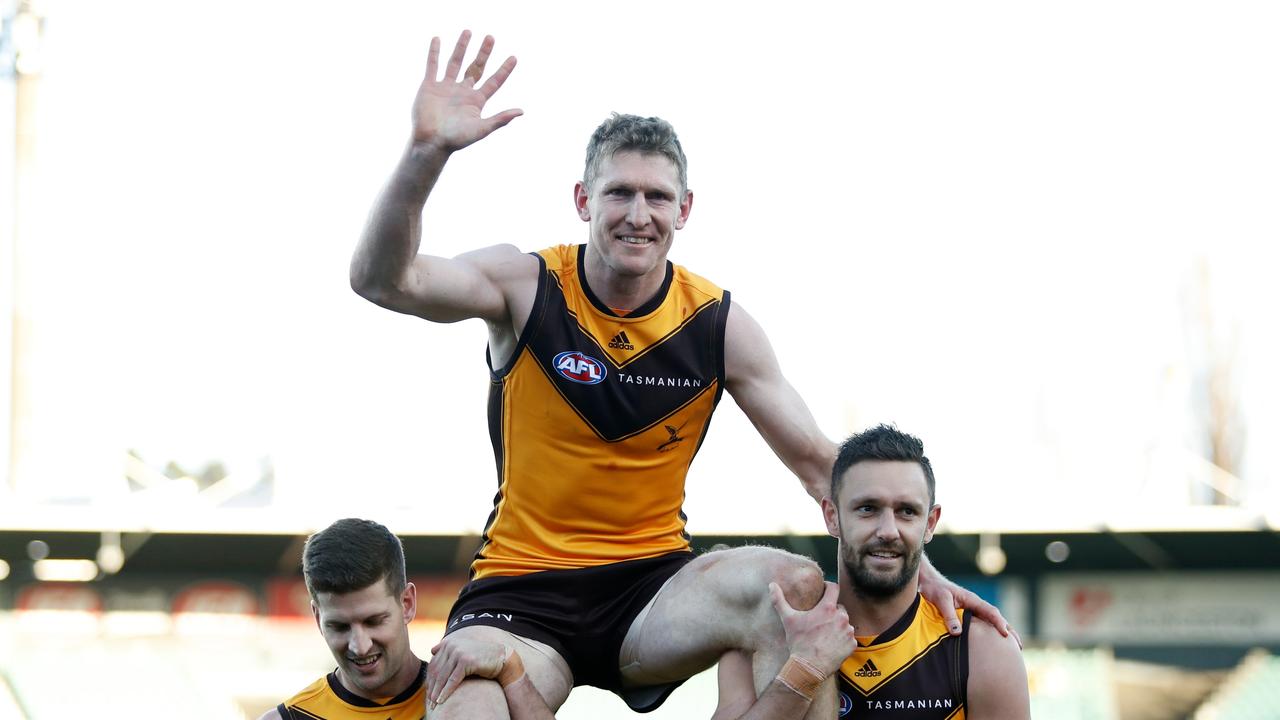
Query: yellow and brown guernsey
x=595, y=420
x=327, y=699
x=914, y=670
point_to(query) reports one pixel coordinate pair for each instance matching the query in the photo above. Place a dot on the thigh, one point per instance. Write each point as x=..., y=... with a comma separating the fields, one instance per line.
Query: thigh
x=718, y=602
x=480, y=699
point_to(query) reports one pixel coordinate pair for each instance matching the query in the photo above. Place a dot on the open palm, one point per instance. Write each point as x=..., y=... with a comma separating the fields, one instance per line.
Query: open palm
x=447, y=111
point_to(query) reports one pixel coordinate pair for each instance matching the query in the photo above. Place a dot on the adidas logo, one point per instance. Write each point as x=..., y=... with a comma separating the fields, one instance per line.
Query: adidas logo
x=868, y=669
x=621, y=342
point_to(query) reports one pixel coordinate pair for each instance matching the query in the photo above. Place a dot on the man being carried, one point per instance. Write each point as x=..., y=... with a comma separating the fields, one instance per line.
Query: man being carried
x=606, y=362
x=362, y=603
x=905, y=664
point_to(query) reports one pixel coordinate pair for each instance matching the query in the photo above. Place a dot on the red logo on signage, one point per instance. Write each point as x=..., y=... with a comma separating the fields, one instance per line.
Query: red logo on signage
x=226, y=598
x=1088, y=604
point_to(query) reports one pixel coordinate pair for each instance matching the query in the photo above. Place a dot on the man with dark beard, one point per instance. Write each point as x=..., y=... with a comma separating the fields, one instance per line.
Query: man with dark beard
x=905, y=665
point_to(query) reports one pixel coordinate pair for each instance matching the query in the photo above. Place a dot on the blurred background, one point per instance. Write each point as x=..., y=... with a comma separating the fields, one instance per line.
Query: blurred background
x=1036, y=235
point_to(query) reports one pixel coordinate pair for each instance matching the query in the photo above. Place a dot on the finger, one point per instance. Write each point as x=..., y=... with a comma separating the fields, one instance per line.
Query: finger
x=502, y=119
x=988, y=612
x=455, y=679
x=780, y=604
x=1015, y=635
x=455, y=60
x=436, y=682
x=829, y=593
x=942, y=597
x=499, y=77
x=433, y=59
x=437, y=670
x=433, y=679
x=475, y=70
x=947, y=600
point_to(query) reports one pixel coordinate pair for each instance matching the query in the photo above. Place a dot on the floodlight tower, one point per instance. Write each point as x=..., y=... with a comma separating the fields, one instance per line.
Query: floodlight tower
x=21, y=41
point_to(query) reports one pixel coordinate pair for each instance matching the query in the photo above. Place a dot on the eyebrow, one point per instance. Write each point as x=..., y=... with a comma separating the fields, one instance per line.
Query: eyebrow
x=620, y=185
x=860, y=500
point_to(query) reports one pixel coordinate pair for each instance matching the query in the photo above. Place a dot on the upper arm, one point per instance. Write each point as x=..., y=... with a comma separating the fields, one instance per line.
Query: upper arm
x=493, y=283
x=997, y=685
x=754, y=379
x=737, y=689
x=272, y=714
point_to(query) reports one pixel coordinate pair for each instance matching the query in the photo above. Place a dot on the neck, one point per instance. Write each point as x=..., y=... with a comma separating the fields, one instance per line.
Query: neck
x=623, y=292
x=872, y=615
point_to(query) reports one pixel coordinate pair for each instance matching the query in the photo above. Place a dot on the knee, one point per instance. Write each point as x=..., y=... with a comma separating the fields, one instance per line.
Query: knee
x=801, y=580
x=749, y=570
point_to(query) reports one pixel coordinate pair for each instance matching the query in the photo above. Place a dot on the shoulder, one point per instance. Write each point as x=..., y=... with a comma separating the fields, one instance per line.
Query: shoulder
x=997, y=683
x=502, y=261
x=983, y=636
x=742, y=331
x=696, y=283
x=303, y=696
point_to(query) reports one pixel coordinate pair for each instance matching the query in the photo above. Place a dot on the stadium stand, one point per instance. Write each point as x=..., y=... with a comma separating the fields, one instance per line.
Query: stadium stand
x=1071, y=684
x=1251, y=693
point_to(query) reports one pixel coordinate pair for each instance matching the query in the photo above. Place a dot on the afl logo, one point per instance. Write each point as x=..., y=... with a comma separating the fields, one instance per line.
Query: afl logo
x=579, y=367
x=845, y=704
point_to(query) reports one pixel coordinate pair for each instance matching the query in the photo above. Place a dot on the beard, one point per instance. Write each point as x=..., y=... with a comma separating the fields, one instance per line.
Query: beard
x=873, y=584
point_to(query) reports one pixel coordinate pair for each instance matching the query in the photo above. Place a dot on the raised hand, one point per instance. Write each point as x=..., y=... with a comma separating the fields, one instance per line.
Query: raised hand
x=821, y=635
x=446, y=111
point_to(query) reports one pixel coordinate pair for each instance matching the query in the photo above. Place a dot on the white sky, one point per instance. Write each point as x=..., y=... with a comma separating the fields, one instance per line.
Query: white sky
x=982, y=221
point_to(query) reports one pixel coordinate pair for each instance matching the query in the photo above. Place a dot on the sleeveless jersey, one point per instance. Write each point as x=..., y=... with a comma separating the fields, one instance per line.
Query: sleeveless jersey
x=595, y=419
x=326, y=699
x=914, y=670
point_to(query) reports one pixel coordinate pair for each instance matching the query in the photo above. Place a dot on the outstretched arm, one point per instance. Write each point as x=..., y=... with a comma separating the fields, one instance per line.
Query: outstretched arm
x=386, y=267
x=755, y=380
x=454, y=659
x=819, y=640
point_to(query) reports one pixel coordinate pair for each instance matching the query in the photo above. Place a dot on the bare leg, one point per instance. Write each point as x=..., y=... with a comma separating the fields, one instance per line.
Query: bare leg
x=718, y=602
x=477, y=699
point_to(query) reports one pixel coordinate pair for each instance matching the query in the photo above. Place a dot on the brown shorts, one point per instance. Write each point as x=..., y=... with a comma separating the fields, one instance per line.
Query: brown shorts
x=583, y=614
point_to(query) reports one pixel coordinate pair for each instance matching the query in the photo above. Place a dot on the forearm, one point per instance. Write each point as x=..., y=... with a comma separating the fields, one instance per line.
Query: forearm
x=799, y=690
x=394, y=230
x=816, y=475
x=777, y=702
x=525, y=702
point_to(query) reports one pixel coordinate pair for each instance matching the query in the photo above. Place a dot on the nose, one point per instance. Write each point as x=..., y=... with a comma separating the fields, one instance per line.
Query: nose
x=887, y=527
x=359, y=643
x=638, y=213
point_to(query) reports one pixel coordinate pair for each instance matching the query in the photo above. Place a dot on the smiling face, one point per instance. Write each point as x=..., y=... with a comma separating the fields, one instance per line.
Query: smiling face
x=634, y=206
x=368, y=633
x=883, y=519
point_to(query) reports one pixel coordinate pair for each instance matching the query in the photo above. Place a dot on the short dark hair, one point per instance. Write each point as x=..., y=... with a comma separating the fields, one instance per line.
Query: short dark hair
x=351, y=555
x=882, y=442
x=645, y=135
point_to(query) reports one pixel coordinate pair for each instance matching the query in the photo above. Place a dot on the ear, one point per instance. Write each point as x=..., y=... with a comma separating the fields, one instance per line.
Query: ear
x=315, y=612
x=831, y=514
x=409, y=602
x=686, y=205
x=935, y=512
x=580, y=198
